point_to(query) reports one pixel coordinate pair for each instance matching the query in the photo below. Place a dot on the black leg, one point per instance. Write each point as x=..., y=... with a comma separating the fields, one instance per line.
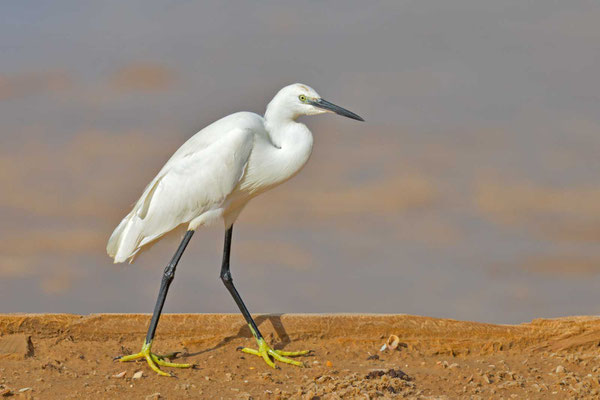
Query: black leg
x=167, y=278
x=228, y=281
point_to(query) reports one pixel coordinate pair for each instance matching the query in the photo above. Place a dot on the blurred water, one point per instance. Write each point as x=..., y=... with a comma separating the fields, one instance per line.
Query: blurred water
x=470, y=192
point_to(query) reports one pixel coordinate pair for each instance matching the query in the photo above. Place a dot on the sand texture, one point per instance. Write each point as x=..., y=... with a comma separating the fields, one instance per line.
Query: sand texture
x=59, y=356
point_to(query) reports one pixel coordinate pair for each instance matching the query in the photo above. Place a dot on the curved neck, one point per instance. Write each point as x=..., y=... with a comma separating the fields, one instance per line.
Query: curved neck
x=282, y=155
x=278, y=116
x=276, y=161
x=292, y=143
x=281, y=125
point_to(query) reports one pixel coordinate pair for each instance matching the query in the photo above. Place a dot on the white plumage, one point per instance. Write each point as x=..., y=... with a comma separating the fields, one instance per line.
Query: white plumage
x=211, y=177
x=217, y=171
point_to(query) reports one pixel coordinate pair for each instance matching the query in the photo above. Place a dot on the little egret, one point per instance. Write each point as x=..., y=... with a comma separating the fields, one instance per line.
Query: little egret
x=212, y=177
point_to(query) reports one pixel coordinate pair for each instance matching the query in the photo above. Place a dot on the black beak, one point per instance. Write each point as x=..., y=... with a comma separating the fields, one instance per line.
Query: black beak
x=324, y=104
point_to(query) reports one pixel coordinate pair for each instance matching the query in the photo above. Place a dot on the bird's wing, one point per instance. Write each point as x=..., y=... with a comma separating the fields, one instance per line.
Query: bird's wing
x=196, y=180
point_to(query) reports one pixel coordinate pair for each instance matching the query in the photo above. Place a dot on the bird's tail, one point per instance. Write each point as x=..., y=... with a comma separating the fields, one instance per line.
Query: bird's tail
x=125, y=239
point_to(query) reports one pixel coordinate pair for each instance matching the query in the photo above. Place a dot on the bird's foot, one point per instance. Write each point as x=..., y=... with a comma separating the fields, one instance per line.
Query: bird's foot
x=268, y=354
x=154, y=360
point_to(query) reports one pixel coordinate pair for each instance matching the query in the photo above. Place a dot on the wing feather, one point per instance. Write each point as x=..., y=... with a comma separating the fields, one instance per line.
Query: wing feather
x=196, y=180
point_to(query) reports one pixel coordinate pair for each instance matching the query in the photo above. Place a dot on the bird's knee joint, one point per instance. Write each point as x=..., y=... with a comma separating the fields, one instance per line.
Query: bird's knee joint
x=169, y=272
x=226, y=277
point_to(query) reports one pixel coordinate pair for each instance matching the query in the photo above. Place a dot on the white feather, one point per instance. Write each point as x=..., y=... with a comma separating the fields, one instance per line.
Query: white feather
x=218, y=170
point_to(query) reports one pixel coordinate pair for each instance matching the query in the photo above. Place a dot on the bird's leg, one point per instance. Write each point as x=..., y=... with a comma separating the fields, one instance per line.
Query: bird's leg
x=155, y=360
x=264, y=350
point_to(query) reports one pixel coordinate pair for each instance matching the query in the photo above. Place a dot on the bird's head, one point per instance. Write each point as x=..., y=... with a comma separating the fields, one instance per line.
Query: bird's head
x=298, y=99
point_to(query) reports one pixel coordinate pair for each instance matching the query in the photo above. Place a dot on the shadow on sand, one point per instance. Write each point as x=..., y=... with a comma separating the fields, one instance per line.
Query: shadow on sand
x=244, y=332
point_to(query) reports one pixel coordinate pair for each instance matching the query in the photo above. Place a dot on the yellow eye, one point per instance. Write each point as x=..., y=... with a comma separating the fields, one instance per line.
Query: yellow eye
x=302, y=98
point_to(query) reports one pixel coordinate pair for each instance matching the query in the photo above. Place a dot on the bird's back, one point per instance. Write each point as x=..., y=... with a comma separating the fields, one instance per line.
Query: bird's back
x=192, y=187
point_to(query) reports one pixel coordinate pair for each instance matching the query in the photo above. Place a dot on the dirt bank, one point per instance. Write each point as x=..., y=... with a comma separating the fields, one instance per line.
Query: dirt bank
x=68, y=356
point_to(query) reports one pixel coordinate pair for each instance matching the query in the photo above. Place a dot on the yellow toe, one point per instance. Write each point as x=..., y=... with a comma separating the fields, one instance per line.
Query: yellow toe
x=269, y=355
x=153, y=360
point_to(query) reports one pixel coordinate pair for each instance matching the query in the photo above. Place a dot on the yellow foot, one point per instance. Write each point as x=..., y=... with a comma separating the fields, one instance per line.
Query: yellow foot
x=267, y=353
x=154, y=360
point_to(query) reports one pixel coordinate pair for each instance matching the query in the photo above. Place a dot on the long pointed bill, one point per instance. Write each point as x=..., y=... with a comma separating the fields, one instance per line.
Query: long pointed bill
x=324, y=104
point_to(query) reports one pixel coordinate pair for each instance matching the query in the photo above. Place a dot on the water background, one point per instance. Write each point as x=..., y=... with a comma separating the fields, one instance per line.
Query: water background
x=470, y=192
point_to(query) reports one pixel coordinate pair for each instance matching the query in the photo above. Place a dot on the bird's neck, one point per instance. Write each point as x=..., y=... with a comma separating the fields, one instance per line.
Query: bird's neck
x=285, y=131
x=291, y=147
x=278, y=114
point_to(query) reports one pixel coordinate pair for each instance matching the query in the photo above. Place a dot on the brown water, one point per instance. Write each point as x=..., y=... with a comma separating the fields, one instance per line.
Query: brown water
x=470, y=192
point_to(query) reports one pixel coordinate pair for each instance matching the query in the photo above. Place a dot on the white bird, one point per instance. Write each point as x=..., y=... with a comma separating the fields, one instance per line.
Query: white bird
x=211, y=177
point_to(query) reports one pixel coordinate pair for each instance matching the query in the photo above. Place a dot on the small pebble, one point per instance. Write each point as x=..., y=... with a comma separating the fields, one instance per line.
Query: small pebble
x=138, y=375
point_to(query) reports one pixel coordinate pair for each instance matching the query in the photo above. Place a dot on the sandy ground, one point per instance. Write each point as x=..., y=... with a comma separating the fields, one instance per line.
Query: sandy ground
x=69, y=356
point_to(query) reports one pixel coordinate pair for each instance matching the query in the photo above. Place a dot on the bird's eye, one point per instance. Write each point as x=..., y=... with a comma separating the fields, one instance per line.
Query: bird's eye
x=302, y=98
